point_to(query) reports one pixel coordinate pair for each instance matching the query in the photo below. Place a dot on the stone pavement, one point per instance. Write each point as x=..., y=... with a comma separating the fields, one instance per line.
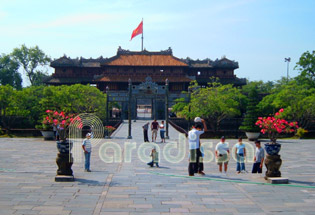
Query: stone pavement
x=27, y=170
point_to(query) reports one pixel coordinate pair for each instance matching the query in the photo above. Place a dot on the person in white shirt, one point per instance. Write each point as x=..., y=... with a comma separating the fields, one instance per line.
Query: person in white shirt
x=222, y=154
x=195, y=156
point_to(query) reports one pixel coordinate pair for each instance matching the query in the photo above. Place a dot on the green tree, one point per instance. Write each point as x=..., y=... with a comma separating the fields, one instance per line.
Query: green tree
x=261, y=87
x=30, y=100
x=252, y=112
x=214, y=103
x=298, y=101
x=31, y=59
x=10, y=106
x=9, y=72
x=179, y=107
x=306, y=65
x=74, y=99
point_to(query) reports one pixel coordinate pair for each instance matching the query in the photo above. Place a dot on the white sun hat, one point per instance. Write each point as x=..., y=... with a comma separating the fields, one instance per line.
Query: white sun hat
x=197, y=119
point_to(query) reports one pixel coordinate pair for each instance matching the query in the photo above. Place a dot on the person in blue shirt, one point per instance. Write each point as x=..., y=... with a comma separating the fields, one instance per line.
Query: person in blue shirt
x=195, y=156
x=240, y=154
x=87, y=148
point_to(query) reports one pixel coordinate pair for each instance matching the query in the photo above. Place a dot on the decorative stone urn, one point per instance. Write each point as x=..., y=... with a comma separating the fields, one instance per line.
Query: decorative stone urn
x=64, y=161
x=273, y=160
x=48, y=135
x=252, y=135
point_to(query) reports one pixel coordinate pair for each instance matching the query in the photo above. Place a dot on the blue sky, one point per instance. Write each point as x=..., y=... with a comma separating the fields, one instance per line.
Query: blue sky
x=258, y=34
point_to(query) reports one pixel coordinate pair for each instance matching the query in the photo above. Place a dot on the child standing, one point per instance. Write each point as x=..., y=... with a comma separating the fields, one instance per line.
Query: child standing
x=87, y=148
x=240, y=153
x=222, y=154
x=155, y=158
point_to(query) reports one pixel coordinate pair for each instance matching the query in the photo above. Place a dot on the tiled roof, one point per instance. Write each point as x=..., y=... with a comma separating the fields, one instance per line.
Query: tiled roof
x=144, y=58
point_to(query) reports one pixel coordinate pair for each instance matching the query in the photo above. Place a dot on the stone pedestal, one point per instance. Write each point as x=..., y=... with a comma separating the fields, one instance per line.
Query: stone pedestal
x=273, y=163
x=64, y=171
x=278, y=180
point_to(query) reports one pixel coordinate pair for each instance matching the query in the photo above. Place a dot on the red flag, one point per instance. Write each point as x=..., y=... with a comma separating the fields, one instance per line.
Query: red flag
x=137, y=31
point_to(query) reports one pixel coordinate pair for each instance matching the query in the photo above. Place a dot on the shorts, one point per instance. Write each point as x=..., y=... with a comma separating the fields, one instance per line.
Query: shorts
x=223, y=159
x=154, y=131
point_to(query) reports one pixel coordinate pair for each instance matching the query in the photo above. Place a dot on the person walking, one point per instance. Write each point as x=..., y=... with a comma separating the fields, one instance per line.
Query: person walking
x=222, y=154
x=145, y=132
x=240, y=154
x=195, y=155
x=87, y=148
x=162, y=132
x=154, y=129
x=259, y=158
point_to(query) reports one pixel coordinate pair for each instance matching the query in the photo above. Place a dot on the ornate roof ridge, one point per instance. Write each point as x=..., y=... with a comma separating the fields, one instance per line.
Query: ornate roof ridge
x=78, y=62
x=224, y=62
x=121, y=51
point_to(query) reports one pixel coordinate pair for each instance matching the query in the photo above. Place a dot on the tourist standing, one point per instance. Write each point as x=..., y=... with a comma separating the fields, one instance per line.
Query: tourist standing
x=222, y=154
x=145, y=132
x=91, y=132
x=87, y=148
x=195, y=155
x=259, y=158
x=240, y=154
x=154, y=130
x=55, y=131
x=155, y=158
x=162, y=132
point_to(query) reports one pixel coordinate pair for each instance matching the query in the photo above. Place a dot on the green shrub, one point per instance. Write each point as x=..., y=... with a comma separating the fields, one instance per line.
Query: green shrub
x=252, y=113
x=301, y=132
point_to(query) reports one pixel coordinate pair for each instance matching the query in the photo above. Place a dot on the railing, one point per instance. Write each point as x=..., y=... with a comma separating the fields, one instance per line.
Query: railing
x=228, y=128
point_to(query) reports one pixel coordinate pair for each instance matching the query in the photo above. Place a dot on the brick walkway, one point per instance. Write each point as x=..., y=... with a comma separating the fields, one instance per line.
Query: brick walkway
x=27, y=170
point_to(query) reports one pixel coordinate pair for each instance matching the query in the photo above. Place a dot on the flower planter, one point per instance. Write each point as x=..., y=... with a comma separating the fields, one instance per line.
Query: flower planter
x=64, y=146
x=252, y=135
x=273, y=160
x=64, y=160
x=48, y=135
x=272, y=149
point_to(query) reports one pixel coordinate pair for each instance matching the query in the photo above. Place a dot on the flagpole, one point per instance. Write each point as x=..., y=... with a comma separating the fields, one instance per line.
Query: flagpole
x=142, y=37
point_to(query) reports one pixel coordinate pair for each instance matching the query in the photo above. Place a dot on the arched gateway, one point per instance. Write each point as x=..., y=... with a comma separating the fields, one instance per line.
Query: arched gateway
x=148, y=99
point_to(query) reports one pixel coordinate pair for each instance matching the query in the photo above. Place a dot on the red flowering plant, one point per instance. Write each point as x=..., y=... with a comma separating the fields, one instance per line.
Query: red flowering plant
x=61, y=121
x=109, y=129
x=275, y=125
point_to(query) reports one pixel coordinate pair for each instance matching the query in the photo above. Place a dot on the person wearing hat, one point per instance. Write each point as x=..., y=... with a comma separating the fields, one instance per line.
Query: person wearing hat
x=195, y=155
x=87, y=148
x=222, y=154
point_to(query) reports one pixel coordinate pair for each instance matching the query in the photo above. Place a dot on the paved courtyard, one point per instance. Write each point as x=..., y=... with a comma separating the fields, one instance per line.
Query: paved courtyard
x=28, y=168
